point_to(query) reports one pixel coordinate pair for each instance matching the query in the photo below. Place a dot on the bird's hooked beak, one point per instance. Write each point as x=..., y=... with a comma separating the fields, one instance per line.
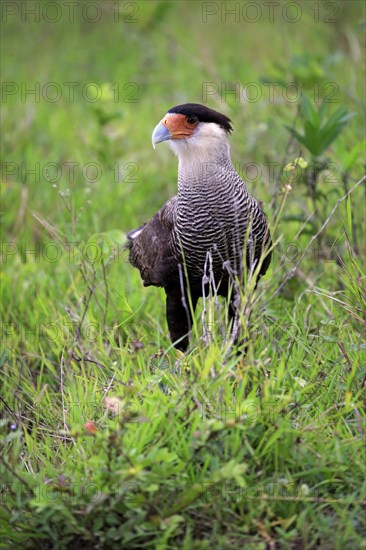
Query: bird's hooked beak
x=160, y=133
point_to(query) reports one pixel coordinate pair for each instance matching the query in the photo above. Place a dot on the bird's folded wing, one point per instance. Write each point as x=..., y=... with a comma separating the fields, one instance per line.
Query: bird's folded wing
x=151, y=249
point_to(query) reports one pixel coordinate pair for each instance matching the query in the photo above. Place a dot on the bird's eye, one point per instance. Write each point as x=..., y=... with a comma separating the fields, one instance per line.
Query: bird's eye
x=192, y=120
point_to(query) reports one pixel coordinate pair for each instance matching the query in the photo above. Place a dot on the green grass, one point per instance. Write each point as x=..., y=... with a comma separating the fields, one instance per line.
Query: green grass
x=110, y=437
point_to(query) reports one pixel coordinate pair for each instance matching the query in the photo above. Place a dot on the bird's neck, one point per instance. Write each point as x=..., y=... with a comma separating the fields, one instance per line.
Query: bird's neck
x=204, y=167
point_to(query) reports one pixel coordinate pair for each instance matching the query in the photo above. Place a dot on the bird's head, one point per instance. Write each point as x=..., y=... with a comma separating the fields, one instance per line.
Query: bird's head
x=192, y=128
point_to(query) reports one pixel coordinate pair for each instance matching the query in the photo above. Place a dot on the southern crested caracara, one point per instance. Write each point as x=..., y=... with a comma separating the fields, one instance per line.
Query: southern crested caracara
x=203, y=229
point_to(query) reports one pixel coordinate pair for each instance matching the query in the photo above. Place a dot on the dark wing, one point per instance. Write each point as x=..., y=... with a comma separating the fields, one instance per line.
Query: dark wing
x=152, y=248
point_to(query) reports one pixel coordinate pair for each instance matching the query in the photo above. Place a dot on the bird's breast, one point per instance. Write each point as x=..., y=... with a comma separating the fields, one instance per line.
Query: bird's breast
x=212, y=224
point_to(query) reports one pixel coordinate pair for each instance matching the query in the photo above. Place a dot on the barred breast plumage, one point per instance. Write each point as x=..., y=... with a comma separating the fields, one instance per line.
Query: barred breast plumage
x=213, y=215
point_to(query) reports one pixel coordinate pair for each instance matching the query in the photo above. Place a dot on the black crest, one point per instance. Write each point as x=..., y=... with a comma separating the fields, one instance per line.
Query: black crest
x=203, y=113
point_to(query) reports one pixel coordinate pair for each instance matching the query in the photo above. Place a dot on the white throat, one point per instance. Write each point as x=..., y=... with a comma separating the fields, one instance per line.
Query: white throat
x=208, y=146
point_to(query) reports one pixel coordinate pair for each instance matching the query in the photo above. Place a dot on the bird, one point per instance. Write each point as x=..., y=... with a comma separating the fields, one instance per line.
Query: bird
x=213, y=223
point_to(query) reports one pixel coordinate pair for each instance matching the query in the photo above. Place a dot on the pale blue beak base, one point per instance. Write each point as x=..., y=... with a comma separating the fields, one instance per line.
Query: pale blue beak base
x=160, y=133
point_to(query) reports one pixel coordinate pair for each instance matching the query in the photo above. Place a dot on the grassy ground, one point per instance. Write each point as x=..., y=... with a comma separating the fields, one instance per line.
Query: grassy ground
x=110, y=438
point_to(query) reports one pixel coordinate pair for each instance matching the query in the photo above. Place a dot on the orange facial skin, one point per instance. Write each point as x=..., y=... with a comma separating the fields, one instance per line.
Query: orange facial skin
x=178, y=126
